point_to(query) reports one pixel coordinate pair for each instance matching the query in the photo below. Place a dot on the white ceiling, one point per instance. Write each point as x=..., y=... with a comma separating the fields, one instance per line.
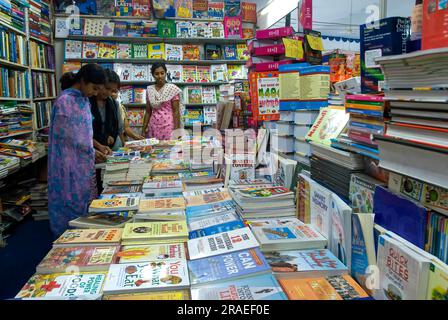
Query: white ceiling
x=342, y=17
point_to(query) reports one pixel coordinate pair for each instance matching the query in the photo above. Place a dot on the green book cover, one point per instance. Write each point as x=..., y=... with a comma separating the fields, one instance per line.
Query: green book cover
x=166, y=29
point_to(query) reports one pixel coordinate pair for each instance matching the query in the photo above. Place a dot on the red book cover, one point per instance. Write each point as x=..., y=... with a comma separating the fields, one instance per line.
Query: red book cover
x=249, y=12
x=435, y=21
x=141, y=8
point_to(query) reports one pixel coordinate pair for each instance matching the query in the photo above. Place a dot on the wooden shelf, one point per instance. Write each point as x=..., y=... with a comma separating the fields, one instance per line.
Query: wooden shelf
x=13, y=64
x=43, y=70
x=159, y=40
x=44, y=98
x=40, y=40
x=150, y=61
x=16, y=134
x=6, y=25
x=14, y=99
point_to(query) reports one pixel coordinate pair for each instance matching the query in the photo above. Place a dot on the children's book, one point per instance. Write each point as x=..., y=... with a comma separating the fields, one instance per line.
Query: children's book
x=235, y=72
x=219, y=73
x=191, y=52
x=233, y=28
x=232, y=8
x=136, y=29
x=84, y=258
x=89, y=50
x=193, y=95
x=121, y=29
x=89, y=237
x=123, y=8
x=216, y=30
x=192, y=117
x=105, y=7
x=210, y=112
x=98, y=27
x=140, y=51
x=173, y=52
x=140, y=95
x=184, y=29
x=146, y=253
x=209, y=95
x=150, y=29
x=73, y=49
x=222, y=243
x=166, y=29
x=64, y=285
x=163, y=8
x=124, y=51
x=305, y=263
x=71, y=67
x=124, y=71
x=235, y=266
x=107, y=50
x=136, y=117
x=174, y=73
x=200, y=30
x=200, y=9
x=362, y=192
x=140, y=72
x=156, y=51
x=213, y=52
x=189, y=74
x=148, y=276
x=184, y=8
x=230, y=52
x=126, y=93
x=248, y=33
x=242, y=52
x=76, y=28
x=203, y=74
x=141, y=8
x=216, y=10
x=249, y=12
x=261, y=287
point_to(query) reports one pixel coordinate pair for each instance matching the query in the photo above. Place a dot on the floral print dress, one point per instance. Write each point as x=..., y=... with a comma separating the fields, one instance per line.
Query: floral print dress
x=71, y=160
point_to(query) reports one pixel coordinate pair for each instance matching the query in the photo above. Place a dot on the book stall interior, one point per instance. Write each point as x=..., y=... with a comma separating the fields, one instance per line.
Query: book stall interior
x=223, y=150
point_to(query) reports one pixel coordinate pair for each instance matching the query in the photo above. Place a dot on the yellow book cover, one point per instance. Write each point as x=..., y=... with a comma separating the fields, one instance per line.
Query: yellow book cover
x=330, y=288
x=208, y=198
x=156, y=205
x=156, y=51
x=329, y=125
x=116, y=204
x=155, y=230
x=166, y=295
x=135, y=254
x=363, y=106
x=89, y=236
x=438, y=282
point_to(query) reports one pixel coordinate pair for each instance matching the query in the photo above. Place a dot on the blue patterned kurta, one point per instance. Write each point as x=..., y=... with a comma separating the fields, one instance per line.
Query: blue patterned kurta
x=71, y=160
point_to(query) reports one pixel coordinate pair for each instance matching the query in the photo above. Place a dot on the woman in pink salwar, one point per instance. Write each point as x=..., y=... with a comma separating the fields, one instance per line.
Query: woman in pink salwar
x=163, y=114
x=71, y=156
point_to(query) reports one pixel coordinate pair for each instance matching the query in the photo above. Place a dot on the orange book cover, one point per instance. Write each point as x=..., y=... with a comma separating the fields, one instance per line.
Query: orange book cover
x=208, y=198
x=330, y=288
x=435, y=20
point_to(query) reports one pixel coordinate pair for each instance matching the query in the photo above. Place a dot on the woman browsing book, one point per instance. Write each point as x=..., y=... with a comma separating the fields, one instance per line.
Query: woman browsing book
x=71, y=156
x=162, y=114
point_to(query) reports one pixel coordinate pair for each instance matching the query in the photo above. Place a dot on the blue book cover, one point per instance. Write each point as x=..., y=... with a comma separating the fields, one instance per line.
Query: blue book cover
x=228, y=266
x=403, y=216
x=121, y=29
x=210, y=209
x=262, y=287
x=285, y=262
x=225, y=227
x=232, y=8
x=292, y=67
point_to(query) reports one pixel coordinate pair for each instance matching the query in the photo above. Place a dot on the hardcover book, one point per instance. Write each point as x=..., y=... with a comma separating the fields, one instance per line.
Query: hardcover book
x=213, y=52
x=230, y=52
x=73, y=49
x=174, y=73
x=200, y=9
x=156, y=51
x=184, y=29
x=166, y=29
x=203, y=74
x=249, y=12
x=232, y=8
x=173, y=52
x=89, y=50
x=124, y=51
x=216, y=30
x=107, y=50
x=216, y=10
x=191, y=52
x=184, y=8
x=140, y=51
x=140, y=72
x=200, y=30
x=233, y=28
x=189, y=74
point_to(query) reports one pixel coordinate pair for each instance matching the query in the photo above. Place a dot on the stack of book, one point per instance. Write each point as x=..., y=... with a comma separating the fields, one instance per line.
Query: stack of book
x=15, y=118
x=408, y=143
x=8, y=165
x=262, y=202
x=39, y=201
x=116, y=169
x=162, y=209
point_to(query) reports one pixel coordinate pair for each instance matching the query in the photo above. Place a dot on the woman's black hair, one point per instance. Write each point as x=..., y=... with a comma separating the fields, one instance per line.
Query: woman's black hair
x=158, y=65
x=113, y=77
x=89, y=73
